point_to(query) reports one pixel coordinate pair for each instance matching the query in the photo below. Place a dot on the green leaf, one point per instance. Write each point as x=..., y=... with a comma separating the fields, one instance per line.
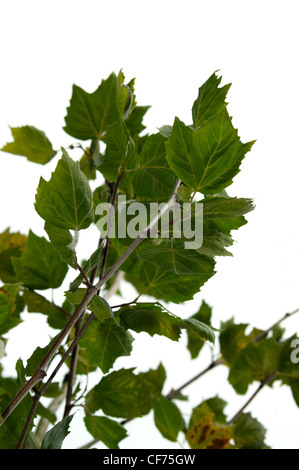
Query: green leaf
x=210, y=100
x=66, y=200
x=9, y=313
x=134, y=121
x=255, y=362
x=225, y=213
x=104, y=343
x=249, y=433
x=90, y=114
x=169, y=286
x=36, y=303
x=168, y=418
x=232, y=338
x=116, y=151
x=153, y=179
x=124, y=394
x=11, y=245
x=62, y=240
x=54, y=438
x=31, y=143
x=104, y=429
x=11, y=430
x=151, y=318
x=36, y=358
x=171, y=272
x=195, y=343
x=98, y=305
x=174, y=258
x=40, y=266
x=207, y=159
x=204, y=331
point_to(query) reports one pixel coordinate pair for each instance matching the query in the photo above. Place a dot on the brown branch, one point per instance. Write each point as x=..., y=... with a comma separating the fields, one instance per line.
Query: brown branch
x=265, y=382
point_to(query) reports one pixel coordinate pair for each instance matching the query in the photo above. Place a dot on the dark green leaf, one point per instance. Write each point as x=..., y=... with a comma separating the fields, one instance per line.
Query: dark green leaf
x=98, y=305
x=195, y=343
x=168, y=418
x=90, y=114
x=255, y=362
x=54, y=438
x=31, y=143
x=232, y=338
x=11, y=245
x=105, y=342
x=204, y=331
x=9, y=314
x=134, y=121
x=36, y=303
x=108, y=431
x=249, y=433
x=11, y=430
x=62, y=240
x=206, y=159
x=171, y=272
x=210, y=100
x=153, y=179
x=124, y=394
x=115, y=155
x=66, y=200
x=40, y=266
x=151, y=318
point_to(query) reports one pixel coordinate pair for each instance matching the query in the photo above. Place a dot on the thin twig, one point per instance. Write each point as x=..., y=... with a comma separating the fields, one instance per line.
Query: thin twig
x=265, y=382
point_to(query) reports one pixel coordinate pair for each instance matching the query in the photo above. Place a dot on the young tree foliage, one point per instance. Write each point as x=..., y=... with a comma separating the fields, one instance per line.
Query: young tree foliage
x=182, y=165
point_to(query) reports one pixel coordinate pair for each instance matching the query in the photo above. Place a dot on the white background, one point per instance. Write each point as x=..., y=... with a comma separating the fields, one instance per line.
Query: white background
x=171, y=47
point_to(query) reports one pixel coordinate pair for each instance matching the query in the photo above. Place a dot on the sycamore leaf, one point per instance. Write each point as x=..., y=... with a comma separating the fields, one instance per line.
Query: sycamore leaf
x=98, y=305
x=39, y=266
x=204, y=331
x=249, y=433
x=31, y=143
x=106, y=430
x=195, y=343
x=232, y=338
x=153, y=179
x=126, y=395
x=90, y=114
x=207, y=159
x=54, y=438
x=11, y=430
x=9, y=312
x=115, y=155
x=208, y=434
x=171, y=272
x=134, y=120
x=149, y=317
x=11, y=245
x=66, y=200
x=210, y=100
x=169, y=286
x=62, y=240
x=254, y=362
x=168, y=418
x=36, y=303
x=105, y=342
